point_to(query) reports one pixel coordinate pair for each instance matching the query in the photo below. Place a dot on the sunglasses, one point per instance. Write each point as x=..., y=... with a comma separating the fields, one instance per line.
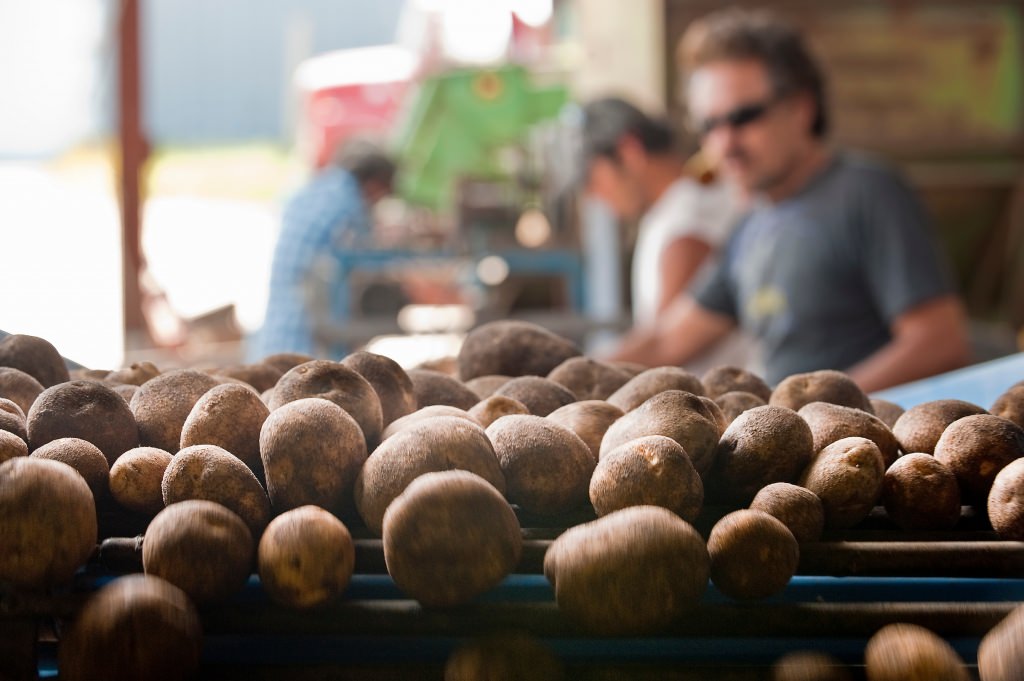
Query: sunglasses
x=735, y=119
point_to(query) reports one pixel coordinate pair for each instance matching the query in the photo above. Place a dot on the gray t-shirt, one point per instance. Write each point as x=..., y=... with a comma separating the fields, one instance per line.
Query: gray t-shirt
x=819, y=277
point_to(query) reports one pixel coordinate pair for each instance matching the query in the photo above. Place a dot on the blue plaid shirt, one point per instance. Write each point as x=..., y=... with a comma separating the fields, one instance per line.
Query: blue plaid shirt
x=321, y=221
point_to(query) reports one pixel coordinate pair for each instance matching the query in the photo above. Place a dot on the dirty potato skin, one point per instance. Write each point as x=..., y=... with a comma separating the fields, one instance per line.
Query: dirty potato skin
x=163, y=403
x=589, y=419
x=736, y=402
x=588, y=379
x=847, y=476
x=646, y=385
x=648, y=471
x=36, y=357
x=888, y=412
x=85, y=410
x=285, y=361
x=753, y=555
x=799, y=509
x=393, y=386
x=484, y=386
x=84, y=457
x=136, y=477
x=135, y=374
x=1001, y=653
x=907, y=651
x=180, y=541
x=976, y=448
x=540, y=395
x=1006, y=502
x=489, y=410
x=919, y=428
x=425, y=413
x=229, y=416
x=306, y=557
x=633, y=571
x=724, y=379
x=450, y=536
x=1010, y=405
x=834, y=387
x=831, y=422
x=433, y=387
x=260, y=376
x=920, y=493
x=11, y=446
x=19, y=387
x=512, y=348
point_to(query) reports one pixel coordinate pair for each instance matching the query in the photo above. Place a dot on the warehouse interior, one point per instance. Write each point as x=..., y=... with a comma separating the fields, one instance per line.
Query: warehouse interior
x=527, y=339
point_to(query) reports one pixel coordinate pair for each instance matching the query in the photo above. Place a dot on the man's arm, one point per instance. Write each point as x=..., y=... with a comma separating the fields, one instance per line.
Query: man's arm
x=681, y=333
x=928, y=339
x=677, y=265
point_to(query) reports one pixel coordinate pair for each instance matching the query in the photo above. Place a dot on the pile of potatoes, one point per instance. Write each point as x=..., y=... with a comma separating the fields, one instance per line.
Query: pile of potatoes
x=271, y=465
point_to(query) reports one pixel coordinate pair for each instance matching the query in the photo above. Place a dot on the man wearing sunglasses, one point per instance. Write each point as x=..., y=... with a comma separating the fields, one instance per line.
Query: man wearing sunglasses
x=834, y=266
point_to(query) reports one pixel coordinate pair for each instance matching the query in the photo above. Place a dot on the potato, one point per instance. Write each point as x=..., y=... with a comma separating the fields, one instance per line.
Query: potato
x=214, y=474
x=19, y=387
x=649, y=471
x=920, y=427
x=433, y=387
x=644, y=386
x=393, y=386
x=675, y=414
x=260, y=376
x=809, y=666
x=720, y=380
x=736, y=402
x=436, y=444
x=833, y=387
x=306, y=557
x=49, y=522
x=512, y=348
x=163, y=403
x=831, y=422
x=181, y=540
x=714, y=414
x=127, y=392
x=136, y=627
x=136, y=374
x=286, y=361
x=1010, y=405
x=547, y=467
x=135, y=479
x=753, y=555
x=1001, y=653
x=540, y=395
x=632, y=368
x=508, y=657
x=494, y=407
x=97, y=375
x=85, y=410
x=799, y=509
x=11, y=446
x=36, y=357
x=633, y=571
x=450, y=536
x=426, y=413
x=847, y=476
x=976, y=448
x=588, y=379
x=84, y=457
x=920, y=493
x=1005, y=507
x=447, y=365
x=898, y=652
x=484, y=386
x=888, y=412
x=229, y=416
x=12, y=419
x=763, y=445
x=335, y=383
x=589, y=419
x=312, y=451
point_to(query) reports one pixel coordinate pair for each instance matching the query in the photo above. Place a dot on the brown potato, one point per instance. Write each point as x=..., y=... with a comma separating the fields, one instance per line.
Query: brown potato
x=1010, y=405
x=676, y=414
x=920, y=493
x=547, y=467
x=229, y=416
x=11, y=446
x=976, y=448
x=98, y=375
x=509, y=657
x=753, y=555
x=1006, y=501
x=127, y=392
x=181, y=540
x=36, y=357
x=833, y=387
x=155, y=616
x=12, y=418
x=831, y=422
x=644, y=386
x=809, y=666
x=633, y=571
x=898, y=652
x=484, y=386
x=714, y=414
x=588, y=379
x=163, y=403
x=632, y=368
x=306, y=557
x=49, y=522
x=888, y=412
x=720, y=380
x=847, y=476
x=393, y=386
x=512, y=348
x=136, y=477
x=433, y=387
x=450, y=536
x=85, y=410
x=589, y=419
x=260, y=376
x=920, y=427
x=136, y=374
x=763, y=445
x=540, y=395
x=312, y=451
x=84, y=457
x=649, y=471
x=436, y=444
x=1001, y=653
x=214, y=474
x=494, y=407
x=19, y=387
x=799, y=509
x=336, y=383
x=286, y=361
x=447, y=365
x=736, y=402
x=425, y=413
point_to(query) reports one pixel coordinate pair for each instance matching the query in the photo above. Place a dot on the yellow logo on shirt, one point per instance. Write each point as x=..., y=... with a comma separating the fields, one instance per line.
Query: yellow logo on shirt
x=767, y=302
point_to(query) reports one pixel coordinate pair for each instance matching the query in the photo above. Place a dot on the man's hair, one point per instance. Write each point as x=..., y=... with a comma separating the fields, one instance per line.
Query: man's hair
x=606, y=121
x=366, y=161
x=761, y=36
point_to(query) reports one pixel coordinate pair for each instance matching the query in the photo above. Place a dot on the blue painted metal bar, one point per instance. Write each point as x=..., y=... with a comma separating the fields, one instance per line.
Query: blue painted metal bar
x=980, y=384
